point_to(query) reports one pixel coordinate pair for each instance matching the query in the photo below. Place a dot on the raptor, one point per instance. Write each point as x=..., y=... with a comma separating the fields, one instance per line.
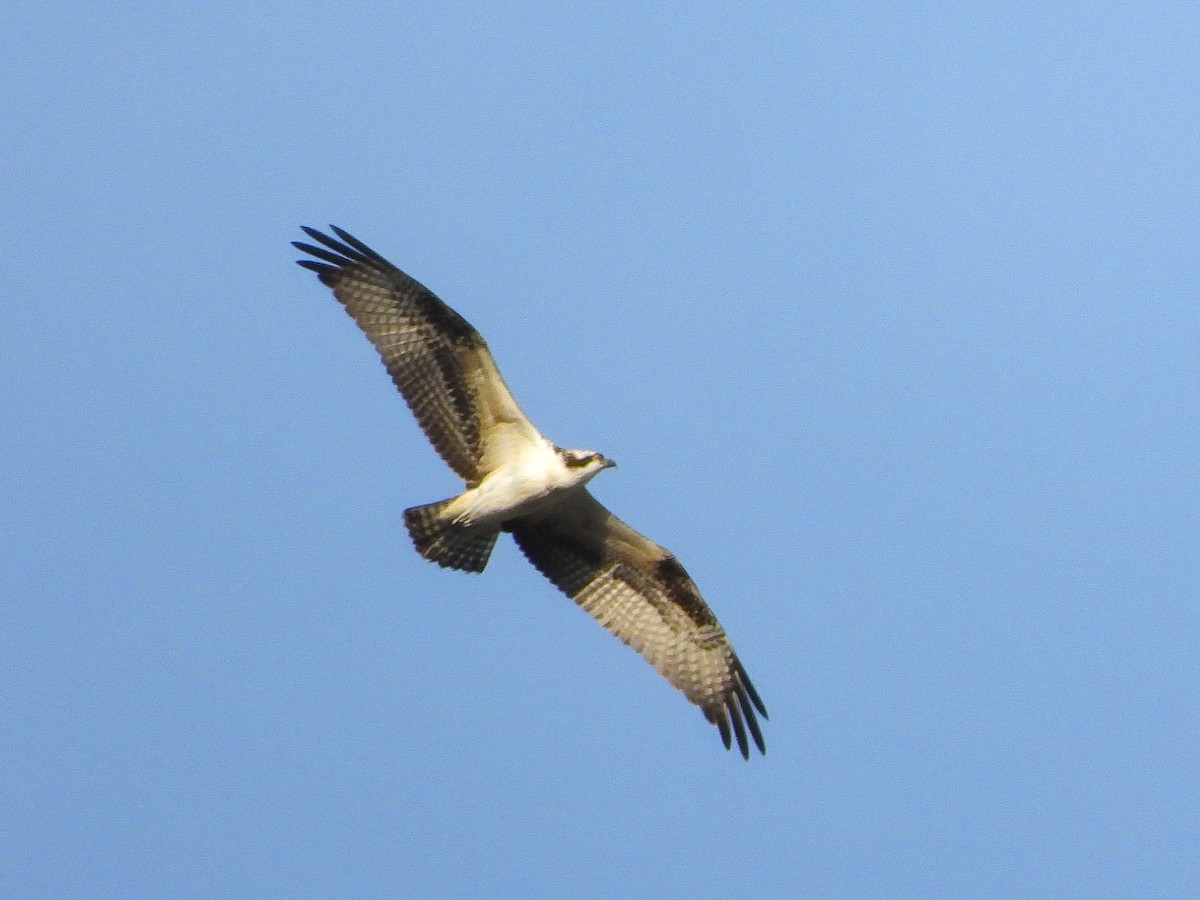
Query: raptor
x=519, y=482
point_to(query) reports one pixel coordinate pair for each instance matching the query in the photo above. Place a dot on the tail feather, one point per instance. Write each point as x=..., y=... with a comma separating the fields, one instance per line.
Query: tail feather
x=447, y=543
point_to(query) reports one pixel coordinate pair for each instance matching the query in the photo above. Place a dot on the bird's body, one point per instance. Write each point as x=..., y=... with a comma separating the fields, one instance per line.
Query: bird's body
x=533, y=478
x=518, y=481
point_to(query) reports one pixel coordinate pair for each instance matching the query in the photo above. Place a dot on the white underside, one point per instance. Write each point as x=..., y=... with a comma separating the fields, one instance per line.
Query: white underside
x=531, y=480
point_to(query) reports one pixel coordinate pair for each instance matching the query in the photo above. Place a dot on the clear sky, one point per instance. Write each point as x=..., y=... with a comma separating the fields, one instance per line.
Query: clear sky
x=889, y=315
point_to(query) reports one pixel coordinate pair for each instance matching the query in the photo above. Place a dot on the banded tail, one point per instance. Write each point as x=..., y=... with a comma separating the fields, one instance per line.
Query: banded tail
x=453, y=546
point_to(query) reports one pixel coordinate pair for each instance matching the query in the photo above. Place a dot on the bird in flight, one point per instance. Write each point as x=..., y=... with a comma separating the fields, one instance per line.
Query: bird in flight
x=519, y=482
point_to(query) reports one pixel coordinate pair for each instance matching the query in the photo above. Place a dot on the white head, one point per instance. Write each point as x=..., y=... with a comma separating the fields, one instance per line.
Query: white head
x=584, y=465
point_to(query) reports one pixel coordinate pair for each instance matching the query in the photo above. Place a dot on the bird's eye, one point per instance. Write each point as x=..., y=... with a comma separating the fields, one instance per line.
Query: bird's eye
x=575, y=461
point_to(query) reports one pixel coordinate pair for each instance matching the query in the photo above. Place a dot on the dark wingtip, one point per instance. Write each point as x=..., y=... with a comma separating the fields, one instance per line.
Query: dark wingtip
x=735, y=720
x=739, y=729
x=346, y=248
x=749, y=685
x=735, y=716
x=751, y=722
x=366, y=253
x=756, y=733
x=343, y=234
x=717, y=717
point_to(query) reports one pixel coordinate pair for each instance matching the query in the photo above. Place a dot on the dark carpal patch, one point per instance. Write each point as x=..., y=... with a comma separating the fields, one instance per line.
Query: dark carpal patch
x=682, y=591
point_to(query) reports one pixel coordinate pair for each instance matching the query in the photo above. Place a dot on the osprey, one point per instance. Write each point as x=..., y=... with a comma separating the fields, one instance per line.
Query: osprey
x=519, y=482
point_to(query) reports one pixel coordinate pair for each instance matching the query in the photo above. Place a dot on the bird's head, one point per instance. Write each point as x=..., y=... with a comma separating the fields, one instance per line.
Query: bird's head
x=585, y=464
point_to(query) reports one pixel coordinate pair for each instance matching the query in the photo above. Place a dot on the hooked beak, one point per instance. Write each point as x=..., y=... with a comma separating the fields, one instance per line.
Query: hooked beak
x=609, y=464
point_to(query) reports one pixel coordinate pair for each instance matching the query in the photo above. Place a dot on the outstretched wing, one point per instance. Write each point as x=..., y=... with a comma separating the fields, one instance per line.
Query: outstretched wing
x=640, y=592
x=439, y=362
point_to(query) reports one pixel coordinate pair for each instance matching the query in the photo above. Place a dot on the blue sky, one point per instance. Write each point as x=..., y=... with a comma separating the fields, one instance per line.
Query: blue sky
x=889, y=316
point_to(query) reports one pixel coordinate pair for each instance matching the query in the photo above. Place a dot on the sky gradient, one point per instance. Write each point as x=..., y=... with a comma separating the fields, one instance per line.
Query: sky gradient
x=888, y=315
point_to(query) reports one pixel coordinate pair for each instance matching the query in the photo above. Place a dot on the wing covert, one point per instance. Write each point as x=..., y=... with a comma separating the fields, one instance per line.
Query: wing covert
x=642, y=595
x=439, y=363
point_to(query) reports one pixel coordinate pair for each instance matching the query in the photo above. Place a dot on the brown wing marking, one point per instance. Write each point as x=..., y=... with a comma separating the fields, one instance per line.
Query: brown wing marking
x=641, y=593
x=440, y=364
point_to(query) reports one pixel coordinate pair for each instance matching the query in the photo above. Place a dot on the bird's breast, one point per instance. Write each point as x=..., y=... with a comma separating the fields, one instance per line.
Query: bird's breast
x=516, y=490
